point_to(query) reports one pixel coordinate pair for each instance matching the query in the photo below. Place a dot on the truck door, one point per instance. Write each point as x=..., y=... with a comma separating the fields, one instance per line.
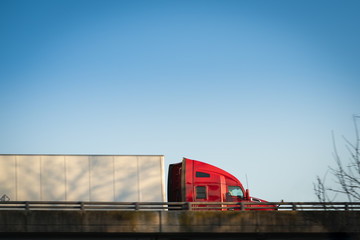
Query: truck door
x=234, y=194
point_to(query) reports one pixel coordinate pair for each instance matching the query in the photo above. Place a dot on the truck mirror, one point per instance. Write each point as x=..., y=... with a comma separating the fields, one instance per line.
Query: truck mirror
x=247, y=195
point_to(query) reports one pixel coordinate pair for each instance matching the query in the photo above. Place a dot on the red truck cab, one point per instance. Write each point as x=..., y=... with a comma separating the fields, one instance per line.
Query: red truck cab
x=195, y=181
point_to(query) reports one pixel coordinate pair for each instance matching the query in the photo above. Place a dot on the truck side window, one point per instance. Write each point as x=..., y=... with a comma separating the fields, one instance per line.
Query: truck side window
x=236, y=191
x=201, y=192
x=202, y=174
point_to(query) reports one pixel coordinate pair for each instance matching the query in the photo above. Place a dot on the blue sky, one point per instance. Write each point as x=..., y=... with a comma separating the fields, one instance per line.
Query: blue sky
x=253, y=87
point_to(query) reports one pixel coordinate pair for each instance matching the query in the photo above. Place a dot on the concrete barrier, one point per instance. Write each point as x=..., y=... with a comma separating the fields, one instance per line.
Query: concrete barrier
x=180, y=222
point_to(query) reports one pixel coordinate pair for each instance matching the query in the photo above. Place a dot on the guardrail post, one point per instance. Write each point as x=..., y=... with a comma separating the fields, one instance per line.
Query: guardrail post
x=82, y=206
x=293, y=206
x=189, y=206
x=136, y=206
x=27, y=206
x=242, y=206
x=346, y=207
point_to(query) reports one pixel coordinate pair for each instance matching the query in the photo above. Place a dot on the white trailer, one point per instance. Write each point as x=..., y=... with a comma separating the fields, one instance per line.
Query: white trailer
x=111, y=178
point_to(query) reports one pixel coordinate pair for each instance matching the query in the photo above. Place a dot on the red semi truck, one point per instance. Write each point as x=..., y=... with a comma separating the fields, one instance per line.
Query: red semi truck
x=27, y=177
x=195, y=181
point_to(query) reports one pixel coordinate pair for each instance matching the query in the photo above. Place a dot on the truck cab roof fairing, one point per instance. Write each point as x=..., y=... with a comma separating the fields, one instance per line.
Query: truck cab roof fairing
x=193, y=167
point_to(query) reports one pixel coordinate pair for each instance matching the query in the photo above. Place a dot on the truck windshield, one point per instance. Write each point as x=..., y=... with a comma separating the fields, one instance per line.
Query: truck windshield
x=236, y=191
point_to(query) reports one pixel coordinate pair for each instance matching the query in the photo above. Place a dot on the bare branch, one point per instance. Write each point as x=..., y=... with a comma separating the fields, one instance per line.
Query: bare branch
x=347, y=173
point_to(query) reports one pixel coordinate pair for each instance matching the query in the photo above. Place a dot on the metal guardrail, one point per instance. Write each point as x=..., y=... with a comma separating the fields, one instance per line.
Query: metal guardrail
x=192, y=206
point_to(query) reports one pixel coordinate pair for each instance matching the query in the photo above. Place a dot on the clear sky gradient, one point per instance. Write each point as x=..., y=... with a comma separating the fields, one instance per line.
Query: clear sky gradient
x=253, y=87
